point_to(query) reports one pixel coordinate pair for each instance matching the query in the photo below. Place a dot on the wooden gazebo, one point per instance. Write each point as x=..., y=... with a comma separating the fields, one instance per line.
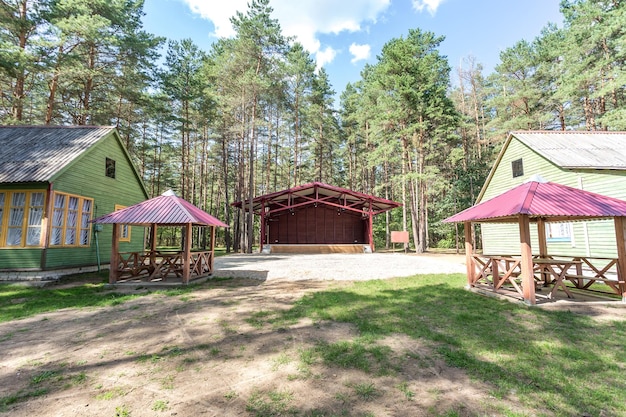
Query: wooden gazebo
x=154, y=265
x=540, y=202
x=321, y=216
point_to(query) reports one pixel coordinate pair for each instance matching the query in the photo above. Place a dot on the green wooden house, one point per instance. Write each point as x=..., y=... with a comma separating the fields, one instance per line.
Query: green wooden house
x=53, y=181
x=592, y=161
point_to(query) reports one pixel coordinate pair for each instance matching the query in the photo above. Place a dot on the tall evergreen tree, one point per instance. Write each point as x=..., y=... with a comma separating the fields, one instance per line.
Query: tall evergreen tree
x=415, y=109
x=595, y=60
x=300, y=76
x=324, y=130
x=514, y=93
x=257, y=47
x=19, y=55
x=184, y=85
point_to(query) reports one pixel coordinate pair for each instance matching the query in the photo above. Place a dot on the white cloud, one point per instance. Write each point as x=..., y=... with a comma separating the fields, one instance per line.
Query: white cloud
x=430, y=5
x=360, y=52
x=325, y=56
x=303, y=19
x=219, y=13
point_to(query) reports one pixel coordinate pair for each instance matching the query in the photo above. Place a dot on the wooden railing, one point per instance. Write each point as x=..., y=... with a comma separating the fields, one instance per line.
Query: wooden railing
x=201, y=263
x=494, y=271
x=159, y=265
x=592, y=270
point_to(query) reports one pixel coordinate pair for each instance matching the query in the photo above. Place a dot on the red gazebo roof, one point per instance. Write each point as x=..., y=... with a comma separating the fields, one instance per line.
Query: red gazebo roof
x=166, y=209
x=549, y=200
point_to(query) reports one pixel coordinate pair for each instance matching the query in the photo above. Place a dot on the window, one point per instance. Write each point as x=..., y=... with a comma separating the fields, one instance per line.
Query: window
x=21, y=214
x=517, y=168
x=559, y=232
x=85, y=226
x=70, y=220
x=2, y=198
x=110, y=168
x=124, y=232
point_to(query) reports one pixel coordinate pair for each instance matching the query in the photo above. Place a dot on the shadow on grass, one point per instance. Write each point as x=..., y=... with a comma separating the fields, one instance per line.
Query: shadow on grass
x=86, y=290
x=559, y=362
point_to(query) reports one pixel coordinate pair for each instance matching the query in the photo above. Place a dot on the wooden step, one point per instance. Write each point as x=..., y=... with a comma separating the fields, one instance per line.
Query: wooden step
x=311, y=248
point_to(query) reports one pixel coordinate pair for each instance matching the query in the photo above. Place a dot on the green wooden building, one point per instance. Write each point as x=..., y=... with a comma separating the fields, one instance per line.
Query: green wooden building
x=53, y=181
x=592, y=161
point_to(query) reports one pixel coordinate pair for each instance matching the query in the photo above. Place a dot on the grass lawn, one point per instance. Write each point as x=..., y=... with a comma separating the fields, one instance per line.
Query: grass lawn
x=559, y=363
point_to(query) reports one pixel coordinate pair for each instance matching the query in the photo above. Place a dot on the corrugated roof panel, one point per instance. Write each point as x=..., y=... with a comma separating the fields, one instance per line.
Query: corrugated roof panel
x=578, y=149
x=325, y=190
x=167, y=209
x=538, y=199
x=37, y=153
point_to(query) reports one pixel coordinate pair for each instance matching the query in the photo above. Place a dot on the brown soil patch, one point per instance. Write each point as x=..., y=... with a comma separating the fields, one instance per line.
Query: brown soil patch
x=212, y=353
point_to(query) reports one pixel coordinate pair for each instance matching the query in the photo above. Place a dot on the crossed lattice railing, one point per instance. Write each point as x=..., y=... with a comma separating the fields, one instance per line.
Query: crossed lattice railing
x=160, y=265
x=495, y=271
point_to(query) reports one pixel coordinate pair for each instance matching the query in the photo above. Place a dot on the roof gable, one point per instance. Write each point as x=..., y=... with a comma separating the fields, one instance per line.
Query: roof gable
x=322, y=193
x=39, y=153
x=597, y=150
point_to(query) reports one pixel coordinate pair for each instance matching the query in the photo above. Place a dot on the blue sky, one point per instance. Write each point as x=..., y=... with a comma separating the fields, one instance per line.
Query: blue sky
x=344, y=35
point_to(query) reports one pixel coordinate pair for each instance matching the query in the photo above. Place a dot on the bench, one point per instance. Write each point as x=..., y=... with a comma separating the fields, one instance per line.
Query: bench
x=578, y=281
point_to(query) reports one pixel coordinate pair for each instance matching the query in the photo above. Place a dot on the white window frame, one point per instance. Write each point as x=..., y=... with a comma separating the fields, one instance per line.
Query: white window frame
x=560, y=232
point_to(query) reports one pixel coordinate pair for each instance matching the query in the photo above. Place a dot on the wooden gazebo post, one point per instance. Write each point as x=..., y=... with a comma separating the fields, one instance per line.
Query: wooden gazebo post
x=371, y=228
x=543, y=244
x=153, y=239
x=469, y=253
x=526, y=266
x=113, y=275
x=187, y=254
x=620, y=238
x=262, y=238
x=212, y=260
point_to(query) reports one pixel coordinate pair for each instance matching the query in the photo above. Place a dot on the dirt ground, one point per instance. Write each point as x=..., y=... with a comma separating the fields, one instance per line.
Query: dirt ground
x=210, y=353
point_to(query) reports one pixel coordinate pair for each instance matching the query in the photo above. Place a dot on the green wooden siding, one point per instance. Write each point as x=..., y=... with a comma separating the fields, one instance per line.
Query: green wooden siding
x=592, y=238
x=20, y=259
x=86, y=178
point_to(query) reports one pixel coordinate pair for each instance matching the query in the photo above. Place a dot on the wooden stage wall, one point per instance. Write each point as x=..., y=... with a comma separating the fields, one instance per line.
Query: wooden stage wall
x=321, y=225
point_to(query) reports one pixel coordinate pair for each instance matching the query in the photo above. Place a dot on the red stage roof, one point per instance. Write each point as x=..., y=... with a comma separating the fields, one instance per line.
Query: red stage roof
x=166, y=209
x=349, y=197
x=553, y=201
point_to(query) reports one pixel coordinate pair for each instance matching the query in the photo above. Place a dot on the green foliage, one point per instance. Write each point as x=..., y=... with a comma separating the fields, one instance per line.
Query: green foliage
x=252, y=115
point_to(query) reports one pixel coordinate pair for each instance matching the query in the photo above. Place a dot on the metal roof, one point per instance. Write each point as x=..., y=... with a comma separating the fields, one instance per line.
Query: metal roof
x=166, y=209
x=578, y=149
x=38, y=153
x=549, y=200
x=319, y=192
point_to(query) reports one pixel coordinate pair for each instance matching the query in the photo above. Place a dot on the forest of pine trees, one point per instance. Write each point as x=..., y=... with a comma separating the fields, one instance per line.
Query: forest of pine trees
x=253, y=115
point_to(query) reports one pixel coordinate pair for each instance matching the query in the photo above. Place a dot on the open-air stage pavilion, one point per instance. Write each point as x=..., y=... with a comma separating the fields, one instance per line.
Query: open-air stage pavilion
x=317, y=218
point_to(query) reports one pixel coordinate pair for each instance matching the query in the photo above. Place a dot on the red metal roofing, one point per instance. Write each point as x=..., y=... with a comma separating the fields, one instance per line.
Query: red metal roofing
x=543, y=199
x=377, y=204
x=166, y=209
